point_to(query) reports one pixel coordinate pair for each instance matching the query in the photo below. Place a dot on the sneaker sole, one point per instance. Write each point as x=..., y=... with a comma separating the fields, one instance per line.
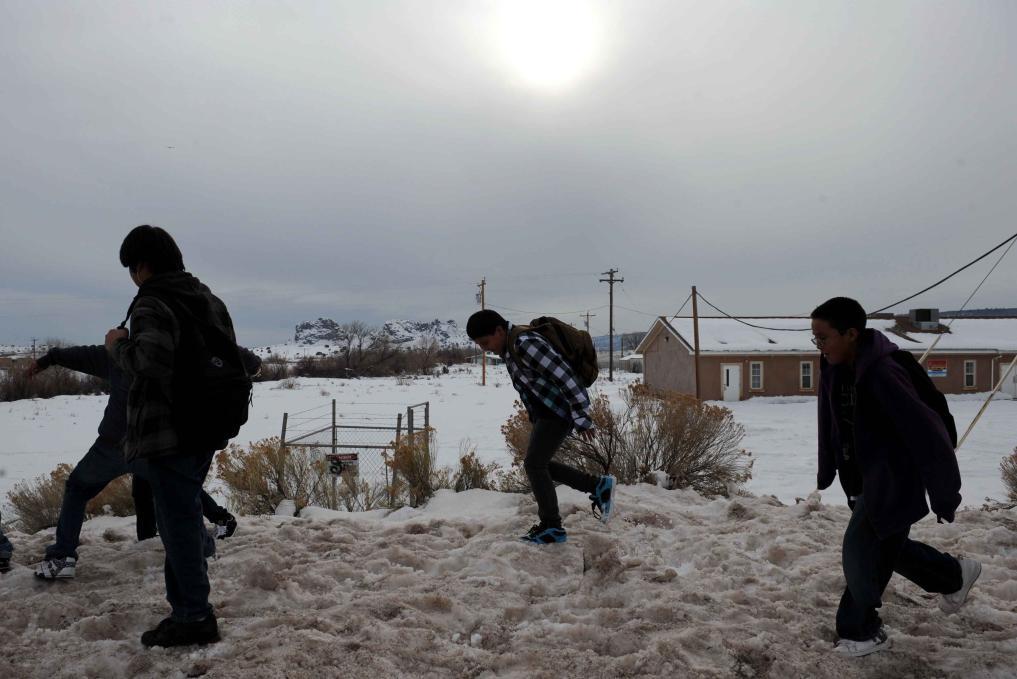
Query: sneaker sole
x=950, y=609
x=885, y=646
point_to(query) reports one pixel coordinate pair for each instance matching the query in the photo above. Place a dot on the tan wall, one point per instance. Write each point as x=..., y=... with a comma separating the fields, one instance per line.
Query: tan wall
x=780, y=375
x=668, y=365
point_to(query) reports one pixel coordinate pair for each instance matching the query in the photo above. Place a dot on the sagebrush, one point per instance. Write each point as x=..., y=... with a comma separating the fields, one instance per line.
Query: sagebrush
x=1009, y=469
x=695, y=444
x=37, y=502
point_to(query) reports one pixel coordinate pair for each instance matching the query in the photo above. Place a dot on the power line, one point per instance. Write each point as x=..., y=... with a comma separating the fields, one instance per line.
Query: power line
x=946, y=278
x=682, y=307
x=751, y=325
x=547, y=313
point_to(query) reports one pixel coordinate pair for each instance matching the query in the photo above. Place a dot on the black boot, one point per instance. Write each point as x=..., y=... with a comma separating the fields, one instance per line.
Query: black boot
x=172, y=633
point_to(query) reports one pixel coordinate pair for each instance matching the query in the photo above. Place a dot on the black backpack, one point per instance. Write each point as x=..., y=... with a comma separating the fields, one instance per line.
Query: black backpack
x=572, y=344
x=210, y=390
x=927, y=391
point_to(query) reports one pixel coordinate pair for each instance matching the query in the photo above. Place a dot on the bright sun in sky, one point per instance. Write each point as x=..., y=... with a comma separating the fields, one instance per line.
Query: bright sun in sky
x=548, y=44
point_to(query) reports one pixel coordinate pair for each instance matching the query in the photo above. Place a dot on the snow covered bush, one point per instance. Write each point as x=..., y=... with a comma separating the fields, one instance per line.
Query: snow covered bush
x=260, y=476
x=694, y=443
x=1009, y=469
x=37, y=502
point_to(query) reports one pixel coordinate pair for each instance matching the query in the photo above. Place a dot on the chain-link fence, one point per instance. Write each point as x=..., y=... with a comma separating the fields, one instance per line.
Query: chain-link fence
x=356, y=442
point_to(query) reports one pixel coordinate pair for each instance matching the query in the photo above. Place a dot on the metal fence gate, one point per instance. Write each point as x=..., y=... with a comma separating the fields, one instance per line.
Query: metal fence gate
x=357, y=445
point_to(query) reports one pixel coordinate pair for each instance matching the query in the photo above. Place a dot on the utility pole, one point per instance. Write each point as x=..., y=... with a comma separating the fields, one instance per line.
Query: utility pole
x=695, y=334
x=33, y=348
x=587, y=316
x=483, y=353
x=611, y=280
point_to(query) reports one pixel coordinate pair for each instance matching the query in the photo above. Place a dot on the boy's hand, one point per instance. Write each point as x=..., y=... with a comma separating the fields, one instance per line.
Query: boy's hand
x=113, y=336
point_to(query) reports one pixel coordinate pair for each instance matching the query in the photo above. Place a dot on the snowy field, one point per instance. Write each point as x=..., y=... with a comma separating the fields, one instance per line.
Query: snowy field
x=674, y=586
x=780, y=432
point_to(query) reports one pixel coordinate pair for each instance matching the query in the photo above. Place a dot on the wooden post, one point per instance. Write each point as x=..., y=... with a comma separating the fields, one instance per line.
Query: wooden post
x=409, y=424
x=695, y=335
x=282, y=437
x=483, y=352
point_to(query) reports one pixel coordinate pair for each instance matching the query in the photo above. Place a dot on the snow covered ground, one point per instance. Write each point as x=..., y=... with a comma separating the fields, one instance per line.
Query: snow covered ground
x=781, y=432
x=675, y=585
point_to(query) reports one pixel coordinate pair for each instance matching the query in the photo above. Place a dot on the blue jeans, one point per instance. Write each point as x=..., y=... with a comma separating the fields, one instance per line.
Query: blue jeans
x=103, y=462
x=869, y=562
x=176, y=482
x=6, y=548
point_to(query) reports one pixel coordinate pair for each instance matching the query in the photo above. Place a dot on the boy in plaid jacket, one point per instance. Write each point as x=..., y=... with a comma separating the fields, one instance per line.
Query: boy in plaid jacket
x=557, y=404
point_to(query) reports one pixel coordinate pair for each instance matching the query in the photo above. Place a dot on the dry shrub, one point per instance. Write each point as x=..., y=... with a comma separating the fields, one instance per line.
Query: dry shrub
x=1009, y=468
x=356, y=495
x=694, y=443
x=472, y=473
x=37, y=502
x=273, y=369
x=15, y=384
x=260, y=476
x=413, y=465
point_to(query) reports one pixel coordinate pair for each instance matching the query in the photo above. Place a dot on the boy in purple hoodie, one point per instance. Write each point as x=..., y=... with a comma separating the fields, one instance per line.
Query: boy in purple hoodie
x=890, y=448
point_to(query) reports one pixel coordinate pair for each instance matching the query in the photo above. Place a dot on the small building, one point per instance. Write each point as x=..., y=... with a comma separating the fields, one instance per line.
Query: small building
x=737, y=361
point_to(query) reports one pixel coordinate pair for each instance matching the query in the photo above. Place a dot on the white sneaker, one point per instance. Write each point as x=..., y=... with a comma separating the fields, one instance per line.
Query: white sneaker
x=857, y=649
x=970, y=570
x=56, y=569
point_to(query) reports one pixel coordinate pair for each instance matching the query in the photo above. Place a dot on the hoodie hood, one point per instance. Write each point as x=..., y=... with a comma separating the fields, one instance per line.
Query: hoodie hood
x=873, y=347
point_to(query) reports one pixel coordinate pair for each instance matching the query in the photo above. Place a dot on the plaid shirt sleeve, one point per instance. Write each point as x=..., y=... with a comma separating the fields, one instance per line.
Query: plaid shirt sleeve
x=149, y=350
x=545, y=361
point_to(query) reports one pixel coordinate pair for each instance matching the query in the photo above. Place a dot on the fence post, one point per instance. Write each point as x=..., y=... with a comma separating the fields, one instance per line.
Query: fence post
x=409, y=424
x=427, y=426
x=282, y=437
x=334, y=431
x=391, y=486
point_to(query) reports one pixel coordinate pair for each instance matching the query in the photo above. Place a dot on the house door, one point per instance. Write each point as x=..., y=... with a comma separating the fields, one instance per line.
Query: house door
x=731, y=381
x=1010, y=383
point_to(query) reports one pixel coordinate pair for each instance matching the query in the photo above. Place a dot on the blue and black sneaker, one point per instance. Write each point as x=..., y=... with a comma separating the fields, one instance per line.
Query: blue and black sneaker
x=603, y=498
x=545, y=535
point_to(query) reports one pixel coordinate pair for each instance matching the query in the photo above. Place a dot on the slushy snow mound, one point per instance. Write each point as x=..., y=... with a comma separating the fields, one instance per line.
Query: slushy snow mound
x=676, y=585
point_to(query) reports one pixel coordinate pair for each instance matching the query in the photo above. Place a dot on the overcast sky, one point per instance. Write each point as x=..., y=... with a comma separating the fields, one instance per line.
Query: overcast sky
x=374, y=160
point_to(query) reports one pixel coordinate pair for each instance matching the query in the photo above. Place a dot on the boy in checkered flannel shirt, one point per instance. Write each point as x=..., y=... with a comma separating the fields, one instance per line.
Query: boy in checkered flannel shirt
x=557, y=404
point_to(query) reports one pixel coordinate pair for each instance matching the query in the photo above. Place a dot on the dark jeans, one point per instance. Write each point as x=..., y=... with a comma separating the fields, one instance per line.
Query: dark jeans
x=144, y=507
x=543, y=472
x=176, y=486
x=870, y=561
x=103, y=462
x=6, y=548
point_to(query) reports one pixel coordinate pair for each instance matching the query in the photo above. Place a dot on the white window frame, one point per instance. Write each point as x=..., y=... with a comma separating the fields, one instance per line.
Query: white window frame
x=752, y=387
x=973, y=373
x=811, y=376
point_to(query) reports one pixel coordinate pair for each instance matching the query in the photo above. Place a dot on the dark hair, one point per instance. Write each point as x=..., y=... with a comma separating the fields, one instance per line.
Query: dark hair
x=841, y=313
x=484, y=323
x=151, y=245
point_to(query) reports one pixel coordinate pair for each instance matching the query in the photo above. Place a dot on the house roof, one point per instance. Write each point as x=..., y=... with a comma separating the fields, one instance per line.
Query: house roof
x=792, y=335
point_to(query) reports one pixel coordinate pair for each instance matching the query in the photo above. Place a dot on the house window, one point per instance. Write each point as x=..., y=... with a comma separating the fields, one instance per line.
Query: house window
x=969, y=374
x=805, y=376
x=756, y=375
